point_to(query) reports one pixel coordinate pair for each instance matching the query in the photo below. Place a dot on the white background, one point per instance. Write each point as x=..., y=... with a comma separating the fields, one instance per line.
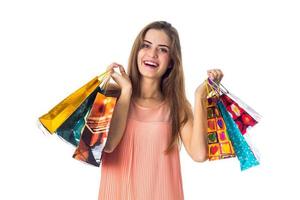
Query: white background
x=48, y=49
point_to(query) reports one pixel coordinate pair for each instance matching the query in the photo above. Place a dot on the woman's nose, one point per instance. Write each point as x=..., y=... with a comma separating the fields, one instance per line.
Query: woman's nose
x=153, y=53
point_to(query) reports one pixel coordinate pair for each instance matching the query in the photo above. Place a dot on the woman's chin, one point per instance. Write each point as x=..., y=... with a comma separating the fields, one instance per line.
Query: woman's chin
x=149, y=74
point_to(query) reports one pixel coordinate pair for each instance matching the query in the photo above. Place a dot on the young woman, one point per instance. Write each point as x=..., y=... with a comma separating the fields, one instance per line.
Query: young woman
x=151, y=119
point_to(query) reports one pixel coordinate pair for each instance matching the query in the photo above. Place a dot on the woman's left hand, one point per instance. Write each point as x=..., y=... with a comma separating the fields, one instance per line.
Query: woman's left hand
x=216, y=75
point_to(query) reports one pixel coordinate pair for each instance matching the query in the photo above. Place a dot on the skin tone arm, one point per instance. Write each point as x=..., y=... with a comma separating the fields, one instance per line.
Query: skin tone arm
x=119, y=118
x=194, y=132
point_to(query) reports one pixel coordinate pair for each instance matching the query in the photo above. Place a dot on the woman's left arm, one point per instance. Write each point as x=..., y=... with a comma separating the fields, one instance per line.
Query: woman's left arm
x=194, y=132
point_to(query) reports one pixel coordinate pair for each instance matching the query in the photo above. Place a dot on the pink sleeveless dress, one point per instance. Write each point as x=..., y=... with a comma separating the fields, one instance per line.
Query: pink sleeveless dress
x=138, y=169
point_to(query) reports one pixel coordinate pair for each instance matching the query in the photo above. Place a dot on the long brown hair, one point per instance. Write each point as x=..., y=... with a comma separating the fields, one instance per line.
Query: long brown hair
x=172, y=82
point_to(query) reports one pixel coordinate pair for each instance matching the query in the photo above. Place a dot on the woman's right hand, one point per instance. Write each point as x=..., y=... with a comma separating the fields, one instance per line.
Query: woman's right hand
x=122, y=79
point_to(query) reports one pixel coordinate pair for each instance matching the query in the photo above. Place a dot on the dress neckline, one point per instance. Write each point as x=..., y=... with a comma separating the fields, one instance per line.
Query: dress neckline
x=148, y=108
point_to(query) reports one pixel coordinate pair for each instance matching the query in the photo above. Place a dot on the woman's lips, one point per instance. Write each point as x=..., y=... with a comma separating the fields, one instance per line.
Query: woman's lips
x=150, y=63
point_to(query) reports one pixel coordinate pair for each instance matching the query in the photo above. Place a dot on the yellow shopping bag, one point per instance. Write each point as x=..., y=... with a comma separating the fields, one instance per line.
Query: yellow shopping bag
x=62, y=111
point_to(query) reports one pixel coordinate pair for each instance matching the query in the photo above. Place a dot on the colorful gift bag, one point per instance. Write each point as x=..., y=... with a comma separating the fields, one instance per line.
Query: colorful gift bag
x=257, y=117
x=243, y=120
x=244, y=116
x=62, y=111
x=219, y=144
x=238, y=109
x=67, y=118
x=243, y=151
x=71, y=129
x=95, y=132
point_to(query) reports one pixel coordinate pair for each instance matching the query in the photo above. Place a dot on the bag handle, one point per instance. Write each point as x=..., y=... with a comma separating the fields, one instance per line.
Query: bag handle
x=211, y=91
x=218, y=86
x=104, y=80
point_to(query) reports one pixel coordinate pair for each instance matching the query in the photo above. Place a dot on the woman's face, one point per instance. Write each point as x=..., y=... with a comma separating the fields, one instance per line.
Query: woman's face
x=154, y=55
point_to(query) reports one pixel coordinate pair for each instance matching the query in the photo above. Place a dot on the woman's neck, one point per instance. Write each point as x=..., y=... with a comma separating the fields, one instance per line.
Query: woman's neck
x=150, y=89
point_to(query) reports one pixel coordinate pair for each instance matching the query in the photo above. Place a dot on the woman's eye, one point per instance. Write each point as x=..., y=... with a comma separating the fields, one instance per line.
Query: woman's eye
x=164, y=50
x=145, y=45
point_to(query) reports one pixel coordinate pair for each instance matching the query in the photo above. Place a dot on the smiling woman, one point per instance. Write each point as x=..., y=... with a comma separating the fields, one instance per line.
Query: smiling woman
x=153, y=56
x=151, y=119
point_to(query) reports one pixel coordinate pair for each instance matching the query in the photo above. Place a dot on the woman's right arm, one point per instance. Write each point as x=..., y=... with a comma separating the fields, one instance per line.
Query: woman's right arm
x=119, y=117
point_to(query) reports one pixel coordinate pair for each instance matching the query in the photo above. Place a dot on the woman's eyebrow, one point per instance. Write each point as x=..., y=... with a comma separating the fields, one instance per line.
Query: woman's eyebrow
x=161, y=45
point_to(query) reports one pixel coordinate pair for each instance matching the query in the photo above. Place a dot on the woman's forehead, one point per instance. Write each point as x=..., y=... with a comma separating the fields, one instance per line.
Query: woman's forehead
x=158, y=37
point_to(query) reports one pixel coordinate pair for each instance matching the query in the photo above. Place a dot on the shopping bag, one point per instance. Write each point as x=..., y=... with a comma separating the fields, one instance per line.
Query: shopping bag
x=243, y=151
x=70, y=130
x=219, y=144
x=243, y=115
x=52, y=120
x=67, y=118
x=95, y=132
x=238, y=114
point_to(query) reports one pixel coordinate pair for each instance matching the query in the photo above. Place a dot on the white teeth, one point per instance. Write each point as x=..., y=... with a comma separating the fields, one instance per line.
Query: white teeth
x=151, y=63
